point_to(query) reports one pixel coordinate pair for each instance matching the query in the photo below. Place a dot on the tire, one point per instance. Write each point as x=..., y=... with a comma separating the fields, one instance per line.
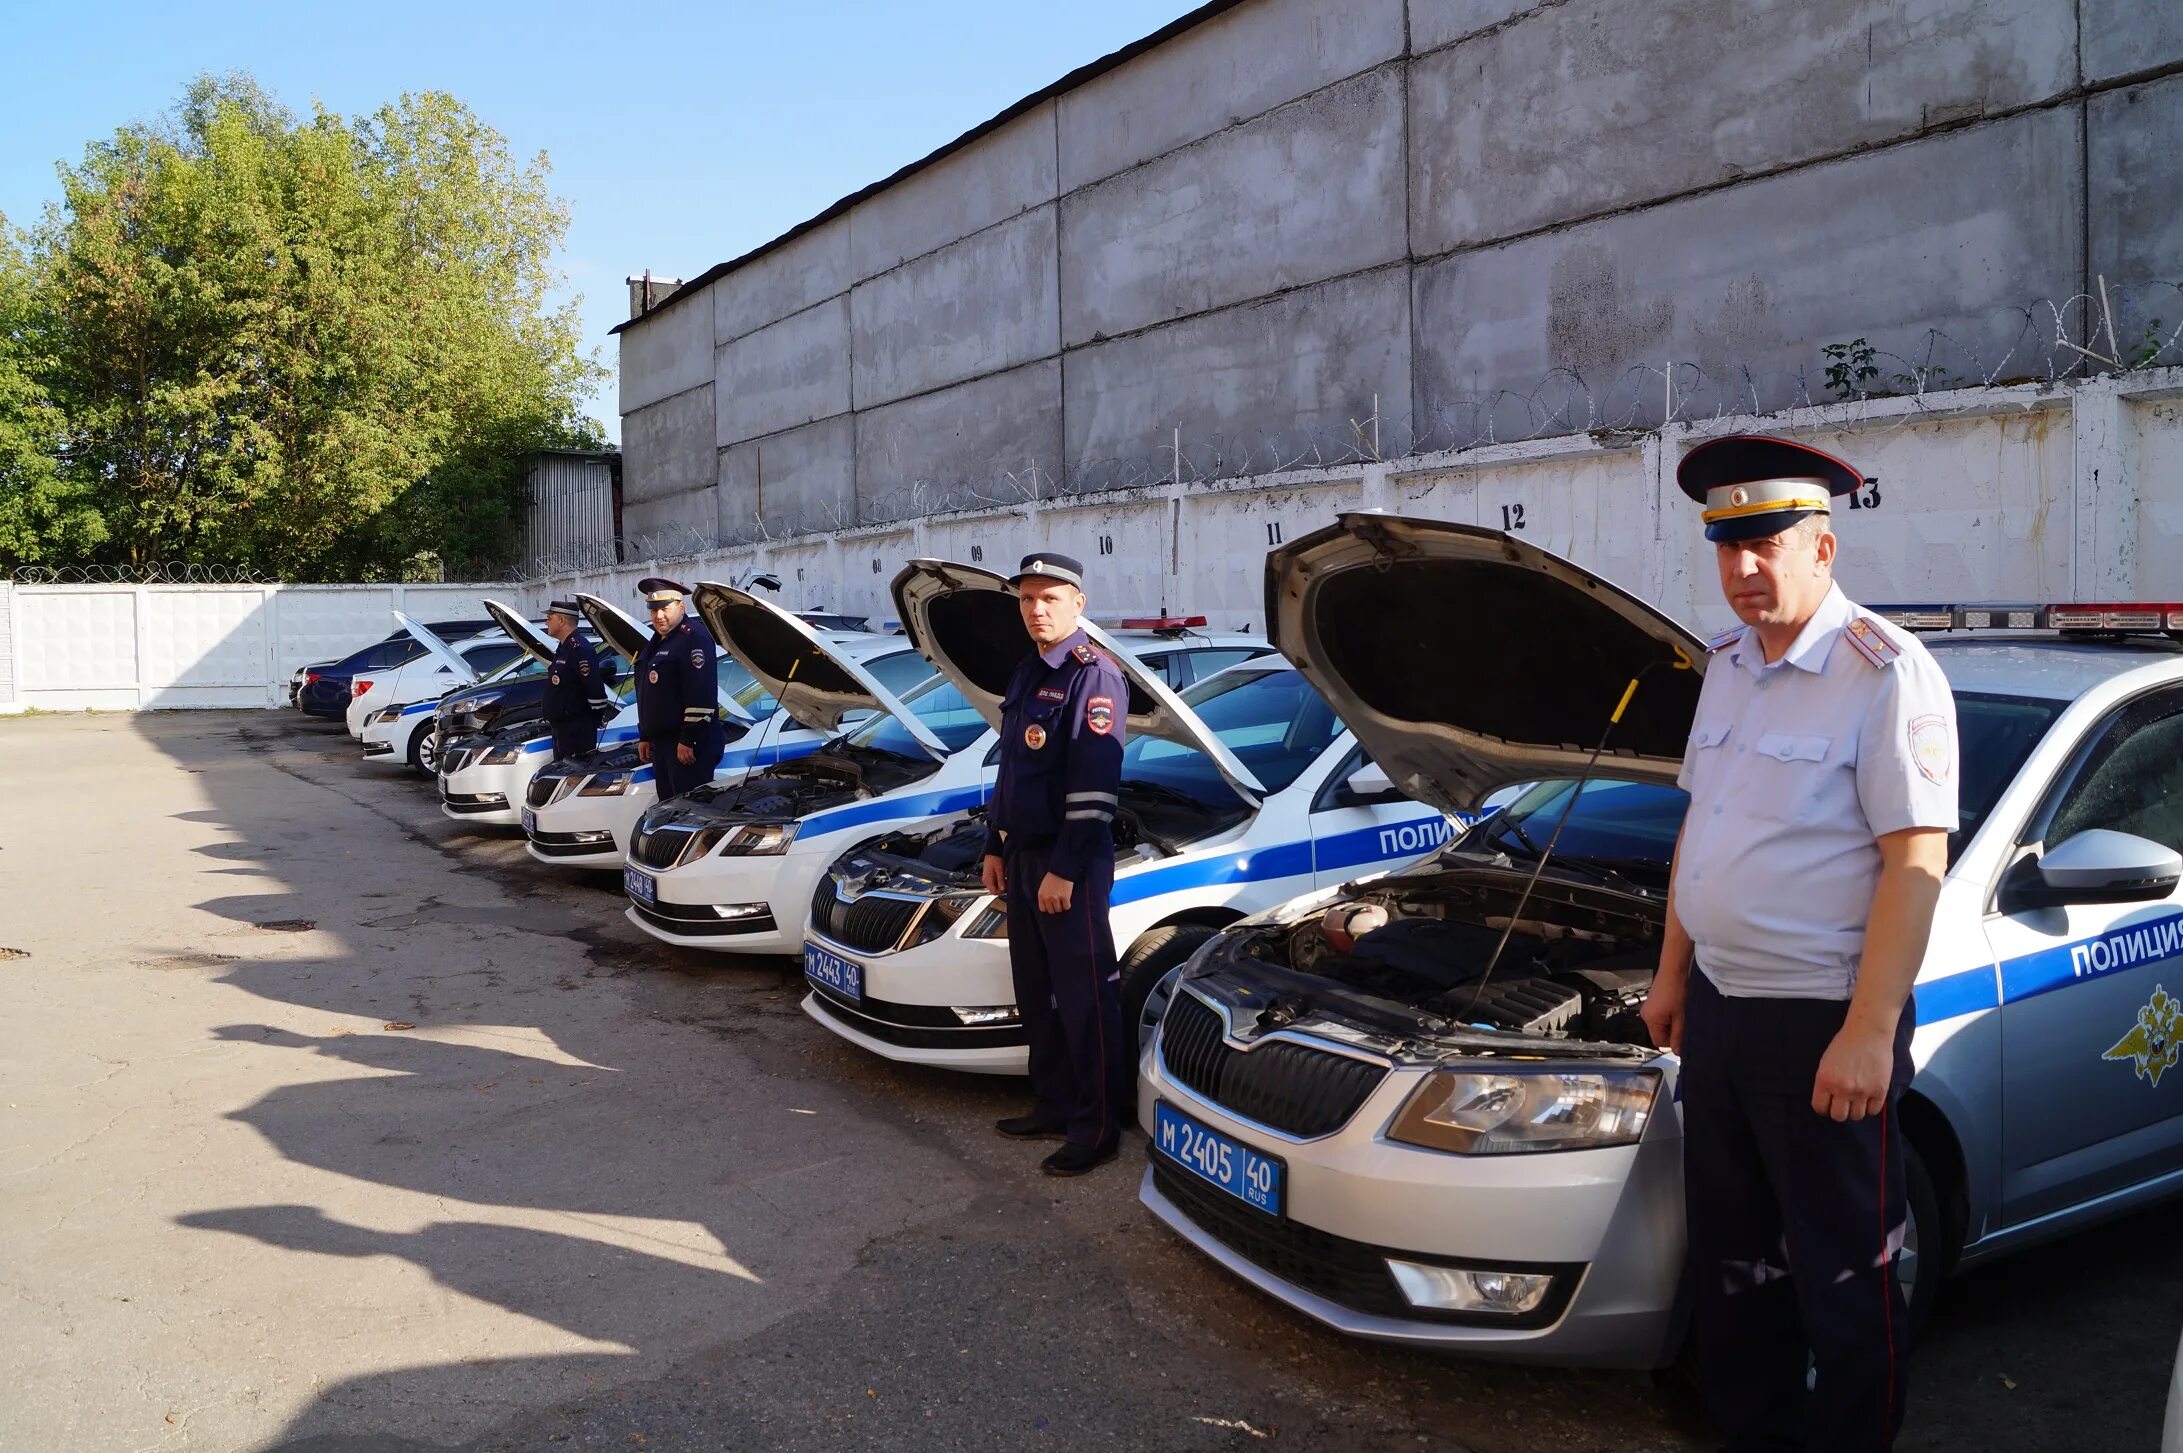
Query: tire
x=1926, y=1254
x=1159, y=953
x=423, y=750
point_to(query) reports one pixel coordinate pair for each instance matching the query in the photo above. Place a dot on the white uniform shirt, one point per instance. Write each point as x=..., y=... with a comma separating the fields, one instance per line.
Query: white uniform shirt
x=1794, y=769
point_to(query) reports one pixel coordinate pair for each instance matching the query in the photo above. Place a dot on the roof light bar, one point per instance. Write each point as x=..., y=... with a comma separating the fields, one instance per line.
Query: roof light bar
x=1161, y=623
x=2092, y=618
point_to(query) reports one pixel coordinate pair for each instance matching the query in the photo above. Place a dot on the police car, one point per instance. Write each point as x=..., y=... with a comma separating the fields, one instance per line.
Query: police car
x=482, y=779
x=1242, y=792
x=1348, y=1114
x=399, y=710
x=443, y=663
x=730, y=865
x=578, y=812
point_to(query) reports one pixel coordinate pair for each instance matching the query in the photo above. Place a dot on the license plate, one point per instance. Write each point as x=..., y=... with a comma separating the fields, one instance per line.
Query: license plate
x=641, y=886
x=1254, y=1179
x=530, y=822
x=844, y=976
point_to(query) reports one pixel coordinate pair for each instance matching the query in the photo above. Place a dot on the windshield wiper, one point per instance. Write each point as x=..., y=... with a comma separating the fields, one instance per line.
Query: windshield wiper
x=1502, y=819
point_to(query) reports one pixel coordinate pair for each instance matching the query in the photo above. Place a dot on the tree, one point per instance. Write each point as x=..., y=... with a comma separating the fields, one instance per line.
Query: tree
x=45, y=517
x=303, y=346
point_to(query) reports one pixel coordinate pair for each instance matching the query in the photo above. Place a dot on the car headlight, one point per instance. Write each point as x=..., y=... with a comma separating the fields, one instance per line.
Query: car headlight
x=993, y=923
x=500, y=756
x=756, y=839
x=605, y=784
x=1495, y=1112
x=942, y=914
x=463, y=707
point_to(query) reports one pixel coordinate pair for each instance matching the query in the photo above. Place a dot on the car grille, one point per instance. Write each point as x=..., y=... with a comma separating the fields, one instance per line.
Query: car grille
x=871, y=924
x=1280, y=1084
x=540, y=790
x=659, y=847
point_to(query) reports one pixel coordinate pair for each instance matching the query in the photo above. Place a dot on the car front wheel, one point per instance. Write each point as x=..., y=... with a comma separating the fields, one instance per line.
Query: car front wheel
x=1148, y=971
x=424, y=752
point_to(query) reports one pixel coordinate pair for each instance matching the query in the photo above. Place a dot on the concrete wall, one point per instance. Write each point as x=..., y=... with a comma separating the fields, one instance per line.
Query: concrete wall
x=1303, y=221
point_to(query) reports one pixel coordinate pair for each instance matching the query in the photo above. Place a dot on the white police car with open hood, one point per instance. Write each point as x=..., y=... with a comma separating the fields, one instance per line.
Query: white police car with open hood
x=1349, y=1113
x=1242, y=792
x=397, y=711
x=579, y=811
x=730, y=865
x=482, y=779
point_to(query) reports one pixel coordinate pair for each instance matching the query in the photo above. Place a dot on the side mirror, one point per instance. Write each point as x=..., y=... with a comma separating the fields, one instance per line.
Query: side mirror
x=2097, y=866
x=1369, y=783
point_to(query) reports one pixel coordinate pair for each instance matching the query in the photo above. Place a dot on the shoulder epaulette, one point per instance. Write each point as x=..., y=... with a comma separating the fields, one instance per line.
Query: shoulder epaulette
x=1725, y=639
x=1085, y=654
x=1870, y=643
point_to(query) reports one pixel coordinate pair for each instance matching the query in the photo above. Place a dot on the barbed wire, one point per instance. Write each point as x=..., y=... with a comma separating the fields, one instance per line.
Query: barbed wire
x=2049, y=343
x=2112, y=330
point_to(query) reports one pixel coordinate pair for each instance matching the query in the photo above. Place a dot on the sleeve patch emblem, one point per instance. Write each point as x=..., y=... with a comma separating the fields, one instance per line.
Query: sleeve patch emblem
x=697, y=657
x=1931, y=747
x=1099, y=714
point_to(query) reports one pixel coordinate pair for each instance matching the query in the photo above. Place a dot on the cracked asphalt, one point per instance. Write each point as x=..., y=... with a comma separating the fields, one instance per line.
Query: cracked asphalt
x=334, y=1125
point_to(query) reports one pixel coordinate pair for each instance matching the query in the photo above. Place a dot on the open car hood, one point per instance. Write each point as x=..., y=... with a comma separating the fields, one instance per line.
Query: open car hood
x=445, y=654
x=964, y=619
x=521, y=631
x=813, y=681
x=622, y=632
x=1465, y=660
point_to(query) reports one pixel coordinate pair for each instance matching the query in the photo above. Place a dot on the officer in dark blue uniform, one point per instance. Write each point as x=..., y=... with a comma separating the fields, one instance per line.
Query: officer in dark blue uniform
x=678, y=692
x=1050, y=855
x=578, y=685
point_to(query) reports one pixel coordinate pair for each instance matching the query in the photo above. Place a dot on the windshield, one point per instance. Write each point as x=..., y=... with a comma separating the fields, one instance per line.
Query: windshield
x=1273, y=720
x=521, y=666
x=936, y=703
x=1633, y=823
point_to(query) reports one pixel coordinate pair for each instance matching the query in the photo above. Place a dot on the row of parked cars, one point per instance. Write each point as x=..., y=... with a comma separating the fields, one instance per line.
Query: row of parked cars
x=1324, y=840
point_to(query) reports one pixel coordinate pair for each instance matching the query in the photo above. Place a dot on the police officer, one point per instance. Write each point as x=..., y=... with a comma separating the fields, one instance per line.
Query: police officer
x=1822, y=779
x=678, y=692
x=578, y=683
x=1049, y=853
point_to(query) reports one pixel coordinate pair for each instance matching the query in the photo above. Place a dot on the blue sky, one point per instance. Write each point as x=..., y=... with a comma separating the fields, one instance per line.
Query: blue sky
x=680, y=135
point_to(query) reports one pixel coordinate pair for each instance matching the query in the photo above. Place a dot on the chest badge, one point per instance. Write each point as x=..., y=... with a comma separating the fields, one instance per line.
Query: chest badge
x=2152, y=1045
x=1034, y=736
x=654, y=678
x=555, y=678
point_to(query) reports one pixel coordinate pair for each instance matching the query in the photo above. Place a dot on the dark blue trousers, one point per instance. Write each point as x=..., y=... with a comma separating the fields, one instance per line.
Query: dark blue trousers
x=673, y=778
x=1069, y=993
x=1795, y=1222
x=574, y=737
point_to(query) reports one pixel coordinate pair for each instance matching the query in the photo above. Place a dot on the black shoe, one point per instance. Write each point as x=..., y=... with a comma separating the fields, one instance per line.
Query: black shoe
x=1073, y=1159
x=1027, y=1127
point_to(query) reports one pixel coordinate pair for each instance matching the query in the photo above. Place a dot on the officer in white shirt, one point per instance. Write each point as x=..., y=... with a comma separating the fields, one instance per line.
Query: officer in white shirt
x=1822, y=779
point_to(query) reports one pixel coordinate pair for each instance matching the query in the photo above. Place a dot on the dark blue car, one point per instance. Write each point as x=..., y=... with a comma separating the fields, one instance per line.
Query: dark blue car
x=326, y=688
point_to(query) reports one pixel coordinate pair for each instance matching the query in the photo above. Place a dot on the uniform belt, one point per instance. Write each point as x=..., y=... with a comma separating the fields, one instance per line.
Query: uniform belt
x=1025, y=843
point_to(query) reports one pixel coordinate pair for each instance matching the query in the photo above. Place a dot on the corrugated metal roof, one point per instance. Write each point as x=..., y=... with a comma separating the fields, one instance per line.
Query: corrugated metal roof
x=1067, y=83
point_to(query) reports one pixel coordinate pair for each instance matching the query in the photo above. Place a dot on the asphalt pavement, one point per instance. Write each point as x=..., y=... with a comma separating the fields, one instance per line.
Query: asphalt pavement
x=335, y=1125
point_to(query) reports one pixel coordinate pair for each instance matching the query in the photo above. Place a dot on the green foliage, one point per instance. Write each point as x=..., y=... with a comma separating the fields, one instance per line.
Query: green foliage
x=311, y=347
x=1850, y=367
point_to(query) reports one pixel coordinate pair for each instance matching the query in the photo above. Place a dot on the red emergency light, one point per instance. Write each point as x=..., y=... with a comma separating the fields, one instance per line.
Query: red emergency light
x=1162, y=623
